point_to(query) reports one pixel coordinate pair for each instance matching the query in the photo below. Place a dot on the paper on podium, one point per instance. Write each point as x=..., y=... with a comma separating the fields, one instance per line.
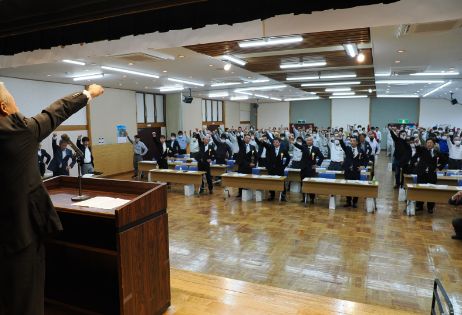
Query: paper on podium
x=106, y=203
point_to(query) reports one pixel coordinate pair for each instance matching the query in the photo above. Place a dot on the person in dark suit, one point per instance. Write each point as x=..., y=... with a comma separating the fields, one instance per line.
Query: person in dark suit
x=457, y=223
x=355, y=159
x=43, y=159
x=204, y=157
x=162, y=160
x=277, y=160
x=88, y=163
x=27, y=214
x=246, y=157
x=401, y=156
x=223, y=150
x=173, y=145
x=311, y=157
x=59, y=165
x=262, y=151
x=429, y=161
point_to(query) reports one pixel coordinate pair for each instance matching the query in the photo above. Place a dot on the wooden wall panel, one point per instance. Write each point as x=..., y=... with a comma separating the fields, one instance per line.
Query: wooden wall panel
x=113, y=158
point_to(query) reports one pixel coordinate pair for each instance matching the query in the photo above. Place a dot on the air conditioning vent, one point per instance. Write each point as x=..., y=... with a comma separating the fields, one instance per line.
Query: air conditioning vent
x=138, y=57
x=442, y=26
x=406, y=71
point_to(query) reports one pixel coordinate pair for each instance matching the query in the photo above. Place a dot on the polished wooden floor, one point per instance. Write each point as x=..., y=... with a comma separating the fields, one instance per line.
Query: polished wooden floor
x=385, y=259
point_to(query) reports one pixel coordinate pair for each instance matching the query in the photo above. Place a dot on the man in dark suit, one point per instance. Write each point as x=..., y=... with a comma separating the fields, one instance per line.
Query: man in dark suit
x=88, y=165
x=204, y=157
x=27, y=214
x=59, y=165
x=43, y=159
x=429, y=161
x=457, y=223
x=311, y=157
x=246, y=157
x=277, y=160
x=355, y=159
x=173, y=145
x=223, y=150
x=162, y=160
x=401, y=156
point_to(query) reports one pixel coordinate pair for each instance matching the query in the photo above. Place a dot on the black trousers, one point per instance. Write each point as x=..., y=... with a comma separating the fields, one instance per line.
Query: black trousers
x=42, y=168
x=353, y=175
x=163, y=164
x=182, y=151
x=205, y=167
x=457, y=224
x=455, y=164
x=22, y=278
x=426, y=178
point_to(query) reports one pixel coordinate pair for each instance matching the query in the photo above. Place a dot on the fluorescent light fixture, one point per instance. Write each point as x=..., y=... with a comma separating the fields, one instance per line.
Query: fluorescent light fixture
x=224, y=84
x=276, y=99
x=219, y=94
x=332, y=83
x=434, y=73
x=186, y=82
x=261, y=88
x=89, y=77
x=245, y=93
x=343, y=93
x=399, y=95
x=303, y=78
x=259, y=81
x=262, y=96
x=239, y=98
x=171, y=88
x=301, y=98
x=271, y=41
x=338, y=76
x=437, y=89
x=350, y=96
x=383, y=74
x=234, y=60
x=74, y=62
x=143, y=74
x=351, y=49
x=400, y=82
x=304, y=64
x=337, y=89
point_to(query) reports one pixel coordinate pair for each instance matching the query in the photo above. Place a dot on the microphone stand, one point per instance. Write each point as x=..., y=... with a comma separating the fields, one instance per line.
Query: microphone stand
x=80, y=158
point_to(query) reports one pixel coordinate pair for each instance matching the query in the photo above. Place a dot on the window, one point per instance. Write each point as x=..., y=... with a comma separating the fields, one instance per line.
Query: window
x=150, y=108
x=212, y=111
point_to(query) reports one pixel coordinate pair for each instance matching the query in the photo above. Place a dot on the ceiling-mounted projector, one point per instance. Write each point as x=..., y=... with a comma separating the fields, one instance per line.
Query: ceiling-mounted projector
x=188, y=98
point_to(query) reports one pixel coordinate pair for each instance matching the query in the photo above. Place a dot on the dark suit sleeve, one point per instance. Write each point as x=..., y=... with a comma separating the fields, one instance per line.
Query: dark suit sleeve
x=300, y=147
x=46, y=156
x=43, y=124
x=320, y=157
x=288, y=157
x=345, y=149
x=80, y=145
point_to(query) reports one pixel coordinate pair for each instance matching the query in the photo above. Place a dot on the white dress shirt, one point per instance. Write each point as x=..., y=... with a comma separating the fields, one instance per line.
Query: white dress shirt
x=87, y=156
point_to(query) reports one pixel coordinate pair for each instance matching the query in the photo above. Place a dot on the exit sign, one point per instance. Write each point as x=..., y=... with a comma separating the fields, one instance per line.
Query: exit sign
x=403, y=121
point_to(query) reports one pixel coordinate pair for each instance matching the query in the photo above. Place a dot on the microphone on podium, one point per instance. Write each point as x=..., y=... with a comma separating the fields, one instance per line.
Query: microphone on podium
x=66, y=138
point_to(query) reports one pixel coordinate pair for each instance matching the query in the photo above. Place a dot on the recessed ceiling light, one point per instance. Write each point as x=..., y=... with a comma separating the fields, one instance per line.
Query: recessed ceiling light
x=337, y=89
x=143, y=74
x=120, y=84
x=164, y=71
x=304, y=64
x=401, y=51
x=262, y=88
x=180, y=56
x=227, y=66
x=259, y=81
x=404, y=82
x=331, y=83
x=130, y=63
x=361, y=57
x=89, y=77
x=442, y=73
x=224, y=84
x=301, y=98
x=350, y=96
x=185, y=82
x=383, y=74
x=351, y=49
x=399, y=95
x=239, y=98
x=271, y=41
x=74, y=62
x=370, y=90
x=48, y=75
x=397, y=61
x=171, y=88
x=218, y=94
x=234, y=60
x=249, y=77
x=146, y=87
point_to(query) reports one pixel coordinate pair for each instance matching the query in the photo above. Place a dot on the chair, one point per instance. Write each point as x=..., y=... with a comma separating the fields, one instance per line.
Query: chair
x=459, y=182
x=326, y=175
x=286, y=172
x=443, y=308
x=180, y=156
x=193, y=168
x=363, y=177
x=255, y=171
x=181, y=167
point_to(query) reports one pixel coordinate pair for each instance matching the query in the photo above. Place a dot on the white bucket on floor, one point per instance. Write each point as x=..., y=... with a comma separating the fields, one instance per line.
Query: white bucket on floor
x=402, y=194
x=295, y=187
x=370, y=205
x=410, y=209
x=188, y=190
x=259, y=195
x=331, y=202
x=247, y=195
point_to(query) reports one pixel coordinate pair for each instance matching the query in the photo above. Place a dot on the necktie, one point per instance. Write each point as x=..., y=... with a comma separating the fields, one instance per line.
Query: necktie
x=277, y=151
x=355, y=152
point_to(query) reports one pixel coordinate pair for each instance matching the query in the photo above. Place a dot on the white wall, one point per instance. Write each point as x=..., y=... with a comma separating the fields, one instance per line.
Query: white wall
x=273, y=115
x=350, y=111
x=114, y=107
x=232, y=110
x=439, y=111
x=192, y=115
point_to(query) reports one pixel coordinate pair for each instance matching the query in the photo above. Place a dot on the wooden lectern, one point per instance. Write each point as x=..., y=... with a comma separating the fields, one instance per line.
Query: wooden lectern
x=109, y=261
